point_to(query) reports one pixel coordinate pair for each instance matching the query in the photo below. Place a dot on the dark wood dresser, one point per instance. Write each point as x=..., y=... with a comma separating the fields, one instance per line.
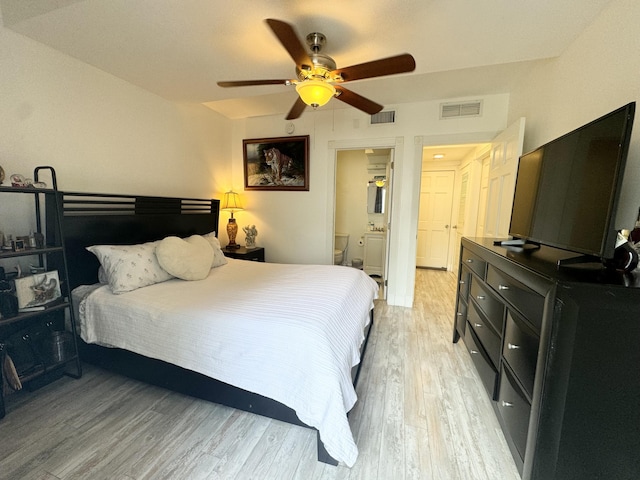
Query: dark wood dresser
x=558, y=350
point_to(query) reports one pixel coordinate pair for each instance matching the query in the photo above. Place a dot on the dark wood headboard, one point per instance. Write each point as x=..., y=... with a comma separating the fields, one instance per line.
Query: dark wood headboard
x=99, y=219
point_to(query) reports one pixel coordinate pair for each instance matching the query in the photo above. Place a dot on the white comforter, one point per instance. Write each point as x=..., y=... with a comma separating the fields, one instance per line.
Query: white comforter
x=288, y=332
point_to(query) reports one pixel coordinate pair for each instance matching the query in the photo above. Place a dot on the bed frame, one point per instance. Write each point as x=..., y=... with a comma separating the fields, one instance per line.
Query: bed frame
x=91, y=219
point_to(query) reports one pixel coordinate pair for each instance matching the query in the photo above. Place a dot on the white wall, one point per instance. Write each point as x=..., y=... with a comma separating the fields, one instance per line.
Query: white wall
x=598, y=73
x=100, y=133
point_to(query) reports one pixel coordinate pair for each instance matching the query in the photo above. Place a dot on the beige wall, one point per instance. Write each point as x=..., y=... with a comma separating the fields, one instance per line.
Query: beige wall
x=351, y=199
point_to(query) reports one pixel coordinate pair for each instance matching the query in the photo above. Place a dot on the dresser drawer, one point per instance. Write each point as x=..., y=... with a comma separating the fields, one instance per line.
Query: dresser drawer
x=514, y=410
x=465, y=280
x=461, y=317
x=488, y=374
x=526, y=301
x=489, y=339
x=488, y=303
x=520, y=350
x=476, y=264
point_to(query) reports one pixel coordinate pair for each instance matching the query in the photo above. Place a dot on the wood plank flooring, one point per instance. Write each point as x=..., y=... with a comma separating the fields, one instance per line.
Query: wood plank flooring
x=422, y=414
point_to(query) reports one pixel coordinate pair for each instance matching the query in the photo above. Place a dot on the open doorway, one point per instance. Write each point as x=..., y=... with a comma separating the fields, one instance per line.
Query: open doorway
x=484, y=185
x=448, y=190
x=362, y=211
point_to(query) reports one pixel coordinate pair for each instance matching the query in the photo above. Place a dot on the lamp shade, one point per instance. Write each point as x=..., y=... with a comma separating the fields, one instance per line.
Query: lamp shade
x=231, y=202
x=315, y=93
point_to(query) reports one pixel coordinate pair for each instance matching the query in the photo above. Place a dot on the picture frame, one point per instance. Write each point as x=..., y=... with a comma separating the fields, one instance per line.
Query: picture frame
x=34, y=292
x=24, y=243
x=280, y=163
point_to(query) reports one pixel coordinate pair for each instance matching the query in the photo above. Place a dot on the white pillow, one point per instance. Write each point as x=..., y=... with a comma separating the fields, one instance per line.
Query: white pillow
x=102, y=276
x=188, y=259
x=128, y=267
x=218, y=257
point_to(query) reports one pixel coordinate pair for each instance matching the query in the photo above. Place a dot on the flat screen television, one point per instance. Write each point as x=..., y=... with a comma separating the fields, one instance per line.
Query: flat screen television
x=567, y=191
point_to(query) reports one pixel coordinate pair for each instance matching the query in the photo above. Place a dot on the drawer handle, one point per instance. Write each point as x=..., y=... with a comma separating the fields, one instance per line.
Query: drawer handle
x=477, y=325
x=480, y=297
x=459, y=314
x=503, y=287
x=469, y=260
x=512, y=346
x=507, y=404
x=461, y=282
x=473, y=352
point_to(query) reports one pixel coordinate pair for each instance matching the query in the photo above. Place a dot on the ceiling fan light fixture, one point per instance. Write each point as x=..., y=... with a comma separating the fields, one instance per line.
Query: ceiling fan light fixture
x=315, y=93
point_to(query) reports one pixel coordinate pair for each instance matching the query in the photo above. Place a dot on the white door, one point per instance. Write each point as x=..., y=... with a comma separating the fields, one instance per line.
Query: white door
x=506, y=149
x=434, y=218
x=459, y=227
x=482, y=199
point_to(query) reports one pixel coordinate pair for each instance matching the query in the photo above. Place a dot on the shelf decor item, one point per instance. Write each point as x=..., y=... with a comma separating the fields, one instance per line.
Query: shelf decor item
x=251, y=233
x=35, y=291
x=276, y=163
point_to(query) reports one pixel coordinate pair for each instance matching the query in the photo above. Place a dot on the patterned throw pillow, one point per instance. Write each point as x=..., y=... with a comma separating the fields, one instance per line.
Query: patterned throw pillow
x=128, y=267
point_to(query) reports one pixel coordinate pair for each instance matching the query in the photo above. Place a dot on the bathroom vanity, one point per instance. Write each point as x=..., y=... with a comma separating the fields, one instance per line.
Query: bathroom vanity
x=375, y=245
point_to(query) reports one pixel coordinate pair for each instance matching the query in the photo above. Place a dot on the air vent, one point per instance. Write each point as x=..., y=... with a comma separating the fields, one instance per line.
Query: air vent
x=384, y=117
x=457, y=110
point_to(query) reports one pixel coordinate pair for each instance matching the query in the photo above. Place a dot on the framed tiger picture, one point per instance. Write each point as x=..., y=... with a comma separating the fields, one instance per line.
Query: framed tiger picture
x=276, y=163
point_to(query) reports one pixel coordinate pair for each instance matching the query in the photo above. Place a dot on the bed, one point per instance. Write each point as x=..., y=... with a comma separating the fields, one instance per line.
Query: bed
x=284, y=341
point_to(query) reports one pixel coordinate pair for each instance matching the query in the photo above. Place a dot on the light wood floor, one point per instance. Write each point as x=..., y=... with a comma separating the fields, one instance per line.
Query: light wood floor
x=422, y=414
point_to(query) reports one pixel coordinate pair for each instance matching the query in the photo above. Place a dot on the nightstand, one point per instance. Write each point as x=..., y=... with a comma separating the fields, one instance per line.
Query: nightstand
x=255, y=254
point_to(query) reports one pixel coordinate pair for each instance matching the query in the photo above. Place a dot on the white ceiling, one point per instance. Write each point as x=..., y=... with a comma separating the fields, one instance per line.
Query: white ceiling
x=179, y=49
x=452, y=153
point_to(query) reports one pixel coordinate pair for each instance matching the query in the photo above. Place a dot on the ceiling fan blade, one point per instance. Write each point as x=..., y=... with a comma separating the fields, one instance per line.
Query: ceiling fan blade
x=296, y=110
x=290, y=41
x=358, y=101
x=248, y=83
x=377, y=68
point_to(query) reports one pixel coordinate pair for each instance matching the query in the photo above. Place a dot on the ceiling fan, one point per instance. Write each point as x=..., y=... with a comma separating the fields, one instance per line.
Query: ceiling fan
x=318, y=78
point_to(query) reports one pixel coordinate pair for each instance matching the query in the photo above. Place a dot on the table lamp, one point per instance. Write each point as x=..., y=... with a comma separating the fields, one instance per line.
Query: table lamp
x=231, y=203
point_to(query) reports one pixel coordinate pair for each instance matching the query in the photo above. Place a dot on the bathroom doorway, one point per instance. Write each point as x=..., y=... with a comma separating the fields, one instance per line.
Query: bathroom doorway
x=362, y=211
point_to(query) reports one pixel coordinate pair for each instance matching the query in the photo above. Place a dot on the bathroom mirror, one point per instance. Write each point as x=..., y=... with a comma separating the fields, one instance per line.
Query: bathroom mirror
x=376, y=196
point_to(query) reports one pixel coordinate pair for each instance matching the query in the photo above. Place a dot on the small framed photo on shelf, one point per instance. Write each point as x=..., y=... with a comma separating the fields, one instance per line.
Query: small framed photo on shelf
x=19, y=245
x=34, y=292
x=24, y=241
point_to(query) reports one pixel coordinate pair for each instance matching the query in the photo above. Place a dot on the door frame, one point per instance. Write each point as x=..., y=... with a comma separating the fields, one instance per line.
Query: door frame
x=419, y=143
x=395, y=144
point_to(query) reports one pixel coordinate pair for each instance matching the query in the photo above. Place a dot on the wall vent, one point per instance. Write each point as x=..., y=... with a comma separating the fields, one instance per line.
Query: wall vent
x=388, y=116
x=457, y=110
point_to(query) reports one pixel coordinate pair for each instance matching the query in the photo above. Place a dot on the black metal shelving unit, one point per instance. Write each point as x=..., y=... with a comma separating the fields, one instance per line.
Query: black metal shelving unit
x=57, y=315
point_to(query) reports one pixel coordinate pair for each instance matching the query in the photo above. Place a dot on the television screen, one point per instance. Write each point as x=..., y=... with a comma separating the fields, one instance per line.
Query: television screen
x=567, y=190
